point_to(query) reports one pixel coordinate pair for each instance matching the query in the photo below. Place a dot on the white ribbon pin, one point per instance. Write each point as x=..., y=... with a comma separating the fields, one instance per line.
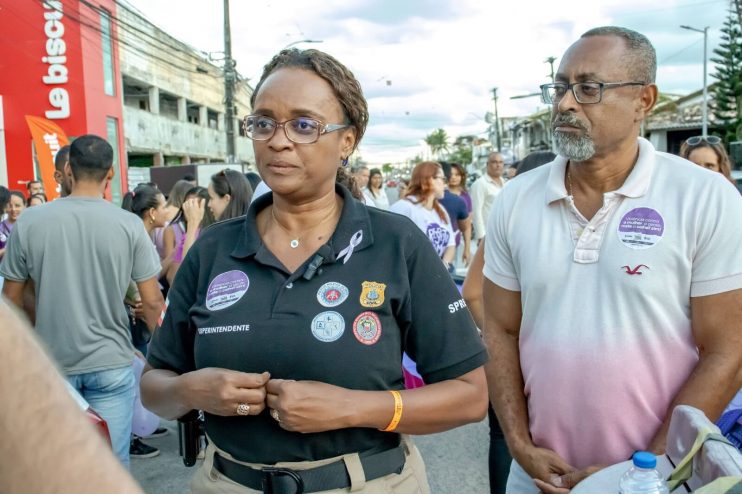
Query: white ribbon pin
x=355, y=241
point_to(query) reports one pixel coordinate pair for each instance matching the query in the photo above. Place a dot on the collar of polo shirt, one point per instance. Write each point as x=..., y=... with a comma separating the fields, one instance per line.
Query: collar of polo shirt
x=636, y=184
x=353, y=218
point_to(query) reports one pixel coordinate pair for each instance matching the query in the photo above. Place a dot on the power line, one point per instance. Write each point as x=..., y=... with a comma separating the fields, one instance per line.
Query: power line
x=95, y=27
x=664, y=60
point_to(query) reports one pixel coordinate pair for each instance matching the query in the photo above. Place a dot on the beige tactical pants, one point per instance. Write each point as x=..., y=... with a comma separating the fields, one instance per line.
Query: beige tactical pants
x=412, y=479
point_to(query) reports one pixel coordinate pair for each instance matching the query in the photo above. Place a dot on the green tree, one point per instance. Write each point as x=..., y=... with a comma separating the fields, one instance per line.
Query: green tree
x=437, y=141
x=462, y=150
x=387, y=168
x=728, y=90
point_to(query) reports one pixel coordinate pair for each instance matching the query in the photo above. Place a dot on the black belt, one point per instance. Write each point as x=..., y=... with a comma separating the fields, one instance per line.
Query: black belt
x=276, y=480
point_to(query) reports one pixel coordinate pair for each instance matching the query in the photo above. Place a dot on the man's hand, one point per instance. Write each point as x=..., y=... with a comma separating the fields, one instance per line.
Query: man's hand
x=563, y=484
x=308, y=406
x=543, y=465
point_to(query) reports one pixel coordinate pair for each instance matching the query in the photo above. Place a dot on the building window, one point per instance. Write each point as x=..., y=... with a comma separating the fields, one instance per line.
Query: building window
x=109, y=85
x=112, y=135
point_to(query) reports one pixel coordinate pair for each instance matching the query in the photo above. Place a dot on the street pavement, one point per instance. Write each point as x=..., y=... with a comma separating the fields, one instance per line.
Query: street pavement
x=456, y=462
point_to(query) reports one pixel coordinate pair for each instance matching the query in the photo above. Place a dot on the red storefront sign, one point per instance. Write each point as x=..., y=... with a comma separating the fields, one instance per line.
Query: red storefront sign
x=52, y=68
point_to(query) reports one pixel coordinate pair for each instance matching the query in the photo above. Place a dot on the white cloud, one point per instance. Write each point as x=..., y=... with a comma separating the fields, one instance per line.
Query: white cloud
x=442, y=56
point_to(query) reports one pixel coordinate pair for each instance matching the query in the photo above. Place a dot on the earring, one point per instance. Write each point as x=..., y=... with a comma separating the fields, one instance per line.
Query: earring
x=151, y=220
x=344, y=161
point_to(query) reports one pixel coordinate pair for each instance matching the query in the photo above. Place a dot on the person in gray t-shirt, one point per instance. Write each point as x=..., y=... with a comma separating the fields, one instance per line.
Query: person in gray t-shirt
x=81, y=252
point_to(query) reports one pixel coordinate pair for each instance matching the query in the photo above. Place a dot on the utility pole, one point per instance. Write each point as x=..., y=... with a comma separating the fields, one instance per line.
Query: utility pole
x=497, y=121
x=229, y=78
x=705, y=32
x=550, y=61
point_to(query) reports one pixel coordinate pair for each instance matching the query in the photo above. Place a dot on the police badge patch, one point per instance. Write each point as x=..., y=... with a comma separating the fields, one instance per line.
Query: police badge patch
x=372, y=294
x=367, y=328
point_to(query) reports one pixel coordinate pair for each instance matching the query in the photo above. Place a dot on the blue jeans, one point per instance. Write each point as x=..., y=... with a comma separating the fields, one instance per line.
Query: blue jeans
x=111, y=394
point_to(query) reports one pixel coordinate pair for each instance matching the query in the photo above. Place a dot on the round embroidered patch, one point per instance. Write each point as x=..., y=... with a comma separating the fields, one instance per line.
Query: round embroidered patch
x=226, y=289
x=332, y=294
x=328, y=326
x=367, y=328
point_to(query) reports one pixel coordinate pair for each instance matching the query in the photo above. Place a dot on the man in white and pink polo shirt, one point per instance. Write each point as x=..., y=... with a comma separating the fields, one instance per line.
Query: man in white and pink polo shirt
x=613, y=279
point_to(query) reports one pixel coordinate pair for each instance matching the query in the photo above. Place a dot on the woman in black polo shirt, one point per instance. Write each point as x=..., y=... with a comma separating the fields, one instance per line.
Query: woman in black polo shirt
x=287, y=327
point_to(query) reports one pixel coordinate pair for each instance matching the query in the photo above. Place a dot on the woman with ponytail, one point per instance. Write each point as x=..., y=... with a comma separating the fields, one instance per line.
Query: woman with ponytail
x=420, y=204
x=148, y=203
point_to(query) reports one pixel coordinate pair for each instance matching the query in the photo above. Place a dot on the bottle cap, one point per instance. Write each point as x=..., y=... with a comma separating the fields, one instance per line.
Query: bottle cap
x=644, y=459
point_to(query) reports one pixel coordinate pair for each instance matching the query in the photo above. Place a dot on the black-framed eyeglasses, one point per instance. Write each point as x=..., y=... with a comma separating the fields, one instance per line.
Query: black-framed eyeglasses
x=696, y=140
x=301, y=130
x=585, y=93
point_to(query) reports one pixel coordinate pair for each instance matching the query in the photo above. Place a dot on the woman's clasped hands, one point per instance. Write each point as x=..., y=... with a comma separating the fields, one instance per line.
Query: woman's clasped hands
x=299, y=406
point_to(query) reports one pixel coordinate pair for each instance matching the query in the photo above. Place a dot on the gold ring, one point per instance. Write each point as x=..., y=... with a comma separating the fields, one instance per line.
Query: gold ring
x=243, y=409
x=274, y=414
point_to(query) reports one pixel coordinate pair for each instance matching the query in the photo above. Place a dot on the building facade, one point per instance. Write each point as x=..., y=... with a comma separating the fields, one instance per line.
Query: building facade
x=173, y=99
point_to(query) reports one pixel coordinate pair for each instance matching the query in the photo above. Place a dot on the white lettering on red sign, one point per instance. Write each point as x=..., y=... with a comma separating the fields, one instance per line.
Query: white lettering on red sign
x=56, y=74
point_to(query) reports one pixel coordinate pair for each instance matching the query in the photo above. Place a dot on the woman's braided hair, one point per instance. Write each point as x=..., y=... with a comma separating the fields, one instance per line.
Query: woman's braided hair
x=346, y=87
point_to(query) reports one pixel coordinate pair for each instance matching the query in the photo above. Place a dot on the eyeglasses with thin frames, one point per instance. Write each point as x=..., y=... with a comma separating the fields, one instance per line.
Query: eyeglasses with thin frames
x=301, y=130
x=585, y=93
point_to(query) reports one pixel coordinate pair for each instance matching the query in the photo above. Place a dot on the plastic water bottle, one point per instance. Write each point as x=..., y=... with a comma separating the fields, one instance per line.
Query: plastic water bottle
x=643, y=477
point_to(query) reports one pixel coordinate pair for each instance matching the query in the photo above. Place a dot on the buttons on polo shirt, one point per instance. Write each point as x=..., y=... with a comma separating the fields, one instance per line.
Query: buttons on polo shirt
x=289, y=286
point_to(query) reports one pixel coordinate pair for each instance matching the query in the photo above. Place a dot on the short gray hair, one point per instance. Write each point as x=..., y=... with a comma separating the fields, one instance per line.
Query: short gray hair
x=642, y=59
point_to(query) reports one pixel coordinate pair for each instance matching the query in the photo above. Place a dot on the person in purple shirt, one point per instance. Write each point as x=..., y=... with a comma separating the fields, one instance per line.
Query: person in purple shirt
x=458, y=205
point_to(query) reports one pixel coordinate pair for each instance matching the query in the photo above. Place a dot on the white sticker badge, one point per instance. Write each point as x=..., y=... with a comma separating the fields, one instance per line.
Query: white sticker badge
x=328, y=326
x=332, y=294
x=226, y=289
x=641, y=228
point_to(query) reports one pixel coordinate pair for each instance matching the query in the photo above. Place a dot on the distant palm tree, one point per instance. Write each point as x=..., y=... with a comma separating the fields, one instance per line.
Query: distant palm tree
x=437, y=141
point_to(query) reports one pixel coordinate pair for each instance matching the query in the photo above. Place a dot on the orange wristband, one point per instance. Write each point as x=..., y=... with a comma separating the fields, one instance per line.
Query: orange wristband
x=397, y=412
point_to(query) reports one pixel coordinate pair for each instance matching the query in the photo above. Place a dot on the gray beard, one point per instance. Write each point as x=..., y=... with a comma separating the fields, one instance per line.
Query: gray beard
x=574, y=148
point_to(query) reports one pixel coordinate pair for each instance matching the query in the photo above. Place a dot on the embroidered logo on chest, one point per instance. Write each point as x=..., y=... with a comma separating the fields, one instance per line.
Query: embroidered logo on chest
x=635, y=270
x=332, y=294
x=328, y=326
x=367, y=328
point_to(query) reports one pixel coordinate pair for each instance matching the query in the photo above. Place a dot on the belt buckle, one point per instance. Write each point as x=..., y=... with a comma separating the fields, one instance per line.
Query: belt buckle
x=270, y=473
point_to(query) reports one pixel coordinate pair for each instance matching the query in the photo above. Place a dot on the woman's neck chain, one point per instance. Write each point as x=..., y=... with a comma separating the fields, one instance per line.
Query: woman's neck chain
x=296, y=239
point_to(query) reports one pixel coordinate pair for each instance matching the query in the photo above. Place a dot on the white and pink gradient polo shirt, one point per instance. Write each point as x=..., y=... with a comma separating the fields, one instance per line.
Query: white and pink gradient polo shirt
x=605, y=339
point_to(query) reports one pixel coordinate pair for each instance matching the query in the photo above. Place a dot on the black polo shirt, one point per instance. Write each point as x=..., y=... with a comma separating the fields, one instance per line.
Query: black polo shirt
x=376, y=289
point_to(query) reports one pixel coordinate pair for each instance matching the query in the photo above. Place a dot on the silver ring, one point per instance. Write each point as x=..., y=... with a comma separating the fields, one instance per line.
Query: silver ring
x=274, y=414
x=243, y=409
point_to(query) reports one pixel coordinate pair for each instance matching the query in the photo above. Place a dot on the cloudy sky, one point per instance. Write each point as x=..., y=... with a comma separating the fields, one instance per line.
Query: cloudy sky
x=432, y=63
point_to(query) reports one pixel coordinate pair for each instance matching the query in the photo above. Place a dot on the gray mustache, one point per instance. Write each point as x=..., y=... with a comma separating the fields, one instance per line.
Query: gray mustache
x=569, y=120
